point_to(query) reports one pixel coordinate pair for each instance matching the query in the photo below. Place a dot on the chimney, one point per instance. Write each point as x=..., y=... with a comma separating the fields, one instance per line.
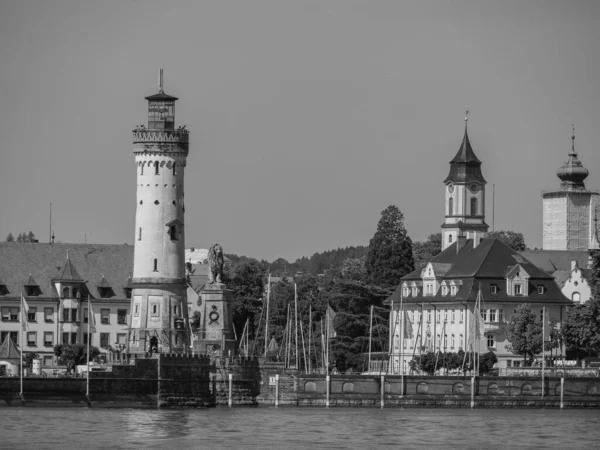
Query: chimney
x=574, y=266
x=460, y=242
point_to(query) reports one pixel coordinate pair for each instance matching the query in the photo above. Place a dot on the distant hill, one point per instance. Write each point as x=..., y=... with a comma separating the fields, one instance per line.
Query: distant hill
x=316, y=264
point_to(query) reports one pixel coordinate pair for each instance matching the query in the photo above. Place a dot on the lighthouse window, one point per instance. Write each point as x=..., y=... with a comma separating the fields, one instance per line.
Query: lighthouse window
x=156, y=168
x=174, y=169
x=142, y=169
x=140, y=234
x=173, y=232
x=156, y=265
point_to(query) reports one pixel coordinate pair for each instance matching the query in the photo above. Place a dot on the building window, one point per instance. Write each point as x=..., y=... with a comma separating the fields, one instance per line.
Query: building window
x=484, y=314
x=439, y=341
x=154, y=309
x=105, y=292
x=541, y=289
x=104, y=339
x=85, y=338
x=31, y=314
x=500, y=315
x=85, y=315
x=518, y=289
x=136, y=310
x=48, y=338
x=122, y=316
x=473, y=206
x=437, y=315
x=74, y=315
x=105, y=316
x=10, y=314
x=450, y=238
x=139, y=233
x=450, y=209
x=75, y=293
x=73, y=338
x=66, y=314
x=429, y=315
x=494, y=289
x=156, y=168
x=121, y=337
x=155, y=265
x=414, y=291
x=462, y=315
x=3, y=289
x=173, y=233
x=461, y=342
x=65, y=338
x=453, y=316
x=32, y=291
x=492, y=315
x=491, y=342
x=176, y=310
x=451, y=341
x=66, y=292
x=49, y=315
x=575, y=297
x=32, y=339
x=142, y=169
x=444, y=290
x=445, y=315
x=453, y=290
x=48, y=361
x=127, y=292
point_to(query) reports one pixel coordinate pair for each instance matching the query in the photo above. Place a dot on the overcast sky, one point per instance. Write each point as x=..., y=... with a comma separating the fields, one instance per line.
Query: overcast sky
x=307, y=119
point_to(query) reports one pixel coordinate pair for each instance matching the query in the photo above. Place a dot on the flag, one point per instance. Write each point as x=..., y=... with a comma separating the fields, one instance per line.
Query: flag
x=408, y=329
x=24, y=311
x=91, y=318
x=331, y=314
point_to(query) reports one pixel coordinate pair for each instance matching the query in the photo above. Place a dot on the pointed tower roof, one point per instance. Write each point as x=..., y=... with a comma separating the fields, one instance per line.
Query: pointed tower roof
x=572, y=173
x=31, y=281
x=8, y=349
x=465, y=167
x=69, y=272
x=104, y=283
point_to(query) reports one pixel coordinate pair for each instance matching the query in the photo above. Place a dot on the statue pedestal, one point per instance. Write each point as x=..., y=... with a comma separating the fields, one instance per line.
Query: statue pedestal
x=216, y=322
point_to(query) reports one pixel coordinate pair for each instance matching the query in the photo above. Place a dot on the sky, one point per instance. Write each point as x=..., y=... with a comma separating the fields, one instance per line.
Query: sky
x=307, y=118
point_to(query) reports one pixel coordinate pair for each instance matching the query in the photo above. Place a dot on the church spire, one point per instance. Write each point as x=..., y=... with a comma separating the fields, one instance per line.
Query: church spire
x=465, y=167
x=572, y=173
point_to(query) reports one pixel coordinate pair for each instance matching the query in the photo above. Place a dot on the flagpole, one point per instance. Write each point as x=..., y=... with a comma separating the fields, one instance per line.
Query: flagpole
x=87, y=381
x=22, y=330
x=296, y=322
x=391, y=338
x=327, y=335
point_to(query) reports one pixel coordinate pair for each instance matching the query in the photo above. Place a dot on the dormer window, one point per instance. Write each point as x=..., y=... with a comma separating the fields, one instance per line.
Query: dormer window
x=494, y=289
x=128, y=292
x=452, y=290
x=444, y=290
x=414, y=291
x=405, y=291
x=32, y=291
x=518, y=289
x=541, y=289
x=3, y=289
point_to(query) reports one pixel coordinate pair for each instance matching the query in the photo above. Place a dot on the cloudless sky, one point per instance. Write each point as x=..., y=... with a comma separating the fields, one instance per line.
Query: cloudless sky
x=307, y=118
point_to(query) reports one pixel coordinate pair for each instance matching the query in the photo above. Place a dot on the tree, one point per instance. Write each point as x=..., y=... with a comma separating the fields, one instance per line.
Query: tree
x=10, y=238
x=390, y=250
x=524, y=332
x=514, y=240
x=486, y=362
x=26, y=237
x=354, y=269
x=581, y=327
x=72, y=355
x=28, y=359
x=555, y=340
x=423, y=251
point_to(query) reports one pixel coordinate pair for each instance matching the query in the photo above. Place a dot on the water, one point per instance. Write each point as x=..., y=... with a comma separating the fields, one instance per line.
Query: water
x=291, y=428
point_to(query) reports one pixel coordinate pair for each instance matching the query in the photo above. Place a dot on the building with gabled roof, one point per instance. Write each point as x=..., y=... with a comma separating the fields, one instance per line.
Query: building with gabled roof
x=438, y=302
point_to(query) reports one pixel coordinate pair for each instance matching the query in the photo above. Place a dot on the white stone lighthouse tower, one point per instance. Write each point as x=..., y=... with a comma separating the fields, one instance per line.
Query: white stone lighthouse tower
x=158, y=314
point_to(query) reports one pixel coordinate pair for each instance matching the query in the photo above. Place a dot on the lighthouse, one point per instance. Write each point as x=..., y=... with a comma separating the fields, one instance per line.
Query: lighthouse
x=159, y=313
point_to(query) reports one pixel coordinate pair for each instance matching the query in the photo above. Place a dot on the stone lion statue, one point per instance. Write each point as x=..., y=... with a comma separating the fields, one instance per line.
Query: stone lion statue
x=215, y=263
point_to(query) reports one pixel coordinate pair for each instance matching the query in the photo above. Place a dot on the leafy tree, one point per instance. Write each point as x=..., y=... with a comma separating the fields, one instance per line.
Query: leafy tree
x=390, y=250
x=72, y=355
x=581, y=327
x=486, y=362
x=524, y=332
x=555, y=340
x=423, y=251
x=514, y=240
x=10, y=238
x=26, y=237
x=246, y=280
x=354, y=269
x=28, y=359
x=595, y=275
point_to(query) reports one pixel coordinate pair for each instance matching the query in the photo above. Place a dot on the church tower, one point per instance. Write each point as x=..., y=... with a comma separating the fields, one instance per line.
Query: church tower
x=159, y=312
x=465, y=196
x=569, y=212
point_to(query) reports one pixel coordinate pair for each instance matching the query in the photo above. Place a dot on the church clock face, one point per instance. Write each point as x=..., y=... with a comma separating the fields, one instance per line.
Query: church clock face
x=451, y=188
x=473, y=187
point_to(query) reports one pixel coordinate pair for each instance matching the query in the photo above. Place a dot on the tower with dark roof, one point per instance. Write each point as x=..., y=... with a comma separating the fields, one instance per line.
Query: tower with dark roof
x=158, y=315
x=569, y=211
x=465, y=196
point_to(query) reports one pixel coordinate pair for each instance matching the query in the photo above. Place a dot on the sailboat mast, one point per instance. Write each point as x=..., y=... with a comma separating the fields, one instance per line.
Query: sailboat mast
x=267, y=318
x=296, y=322
x=370, y=337
x=309, y=337
x=543, y=346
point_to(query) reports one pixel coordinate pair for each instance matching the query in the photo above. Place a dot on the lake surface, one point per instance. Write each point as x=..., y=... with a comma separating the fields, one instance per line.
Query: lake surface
x=291, y=428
